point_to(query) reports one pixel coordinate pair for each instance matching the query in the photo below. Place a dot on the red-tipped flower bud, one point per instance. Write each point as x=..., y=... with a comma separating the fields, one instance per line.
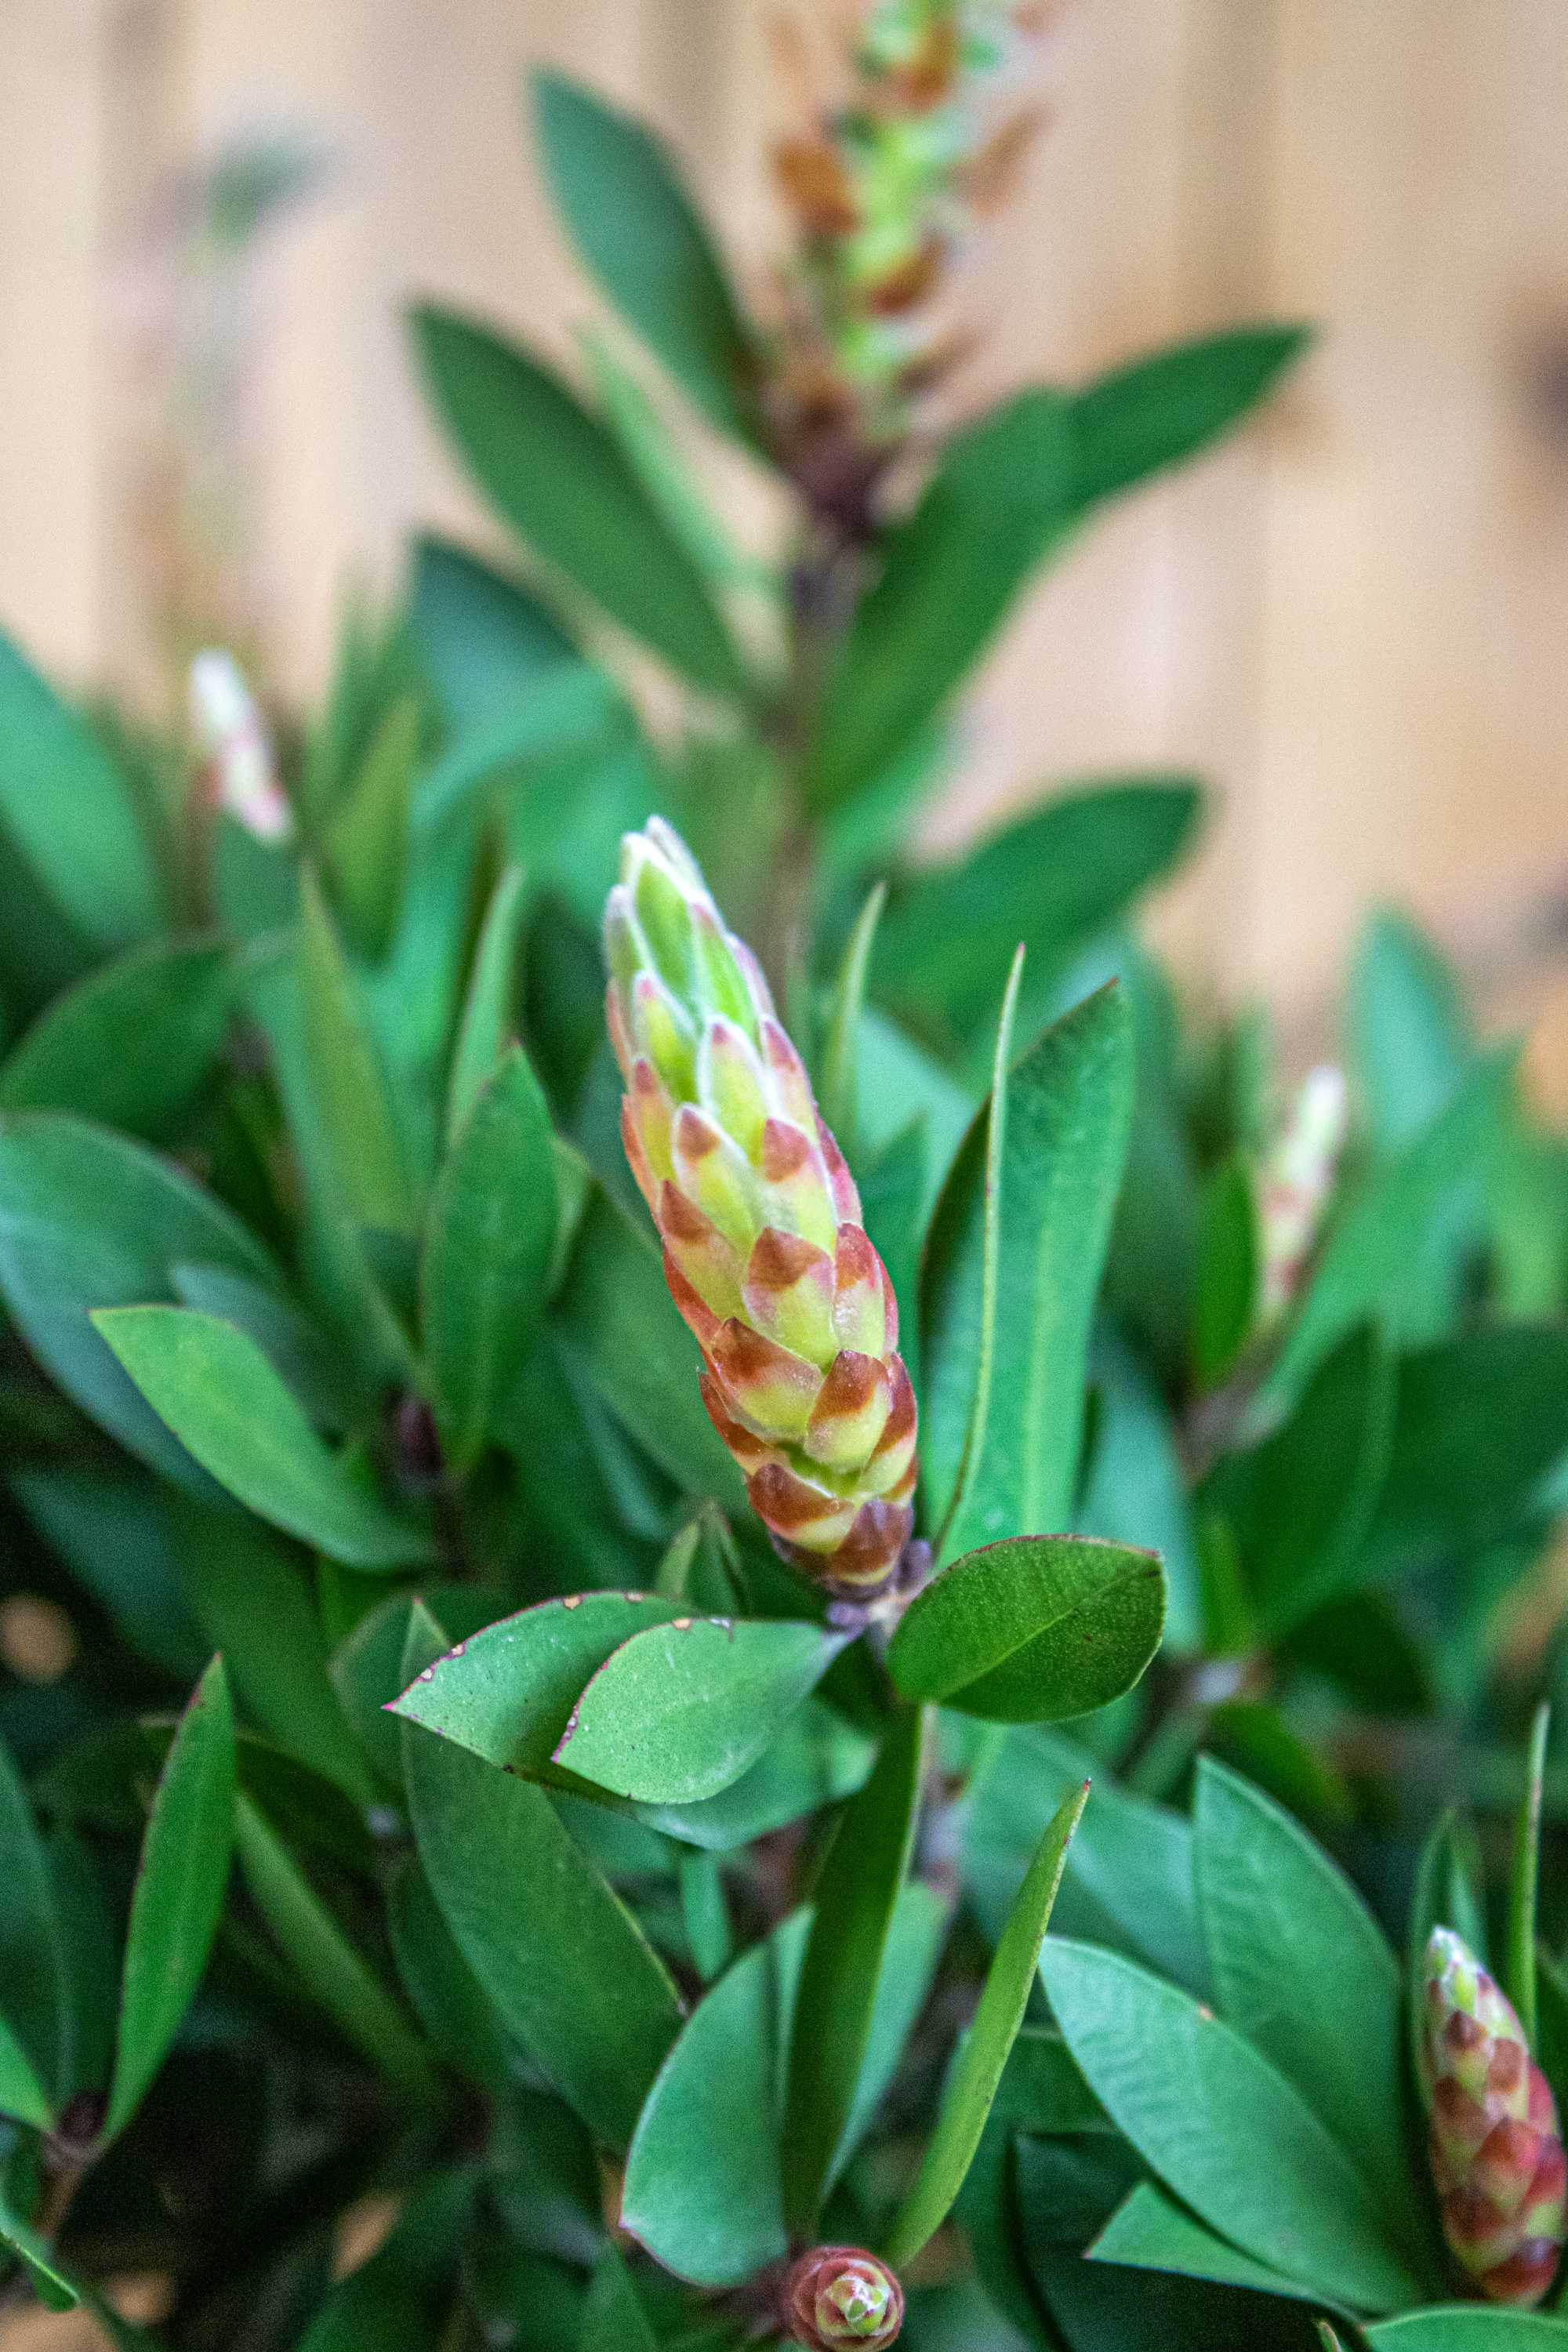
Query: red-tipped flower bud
x=836, y=2297
x=1497, y=2151
x=763, y=1247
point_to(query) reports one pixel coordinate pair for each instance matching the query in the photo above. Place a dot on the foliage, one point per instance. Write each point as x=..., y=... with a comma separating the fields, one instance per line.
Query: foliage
x=435, y=1795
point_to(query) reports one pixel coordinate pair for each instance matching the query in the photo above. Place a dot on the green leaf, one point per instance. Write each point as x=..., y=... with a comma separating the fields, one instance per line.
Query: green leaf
x=488, y=1020
x=218, y=1393
x=70, y=812
x=1150, y=2232
x=34, y=1960
x=484, y=641
x=840, y=1059
x=22, y=2094
x=131, y=1044
x=1469, y=2327
x=705, y=1913
x=1068, y=1104
x=816, y=1760
x=402, y=2296
x=367, y=840
x=1223, y=2130
x=960, y=1275
x=1159, y=410
x=996, y=501
x=575, y=717
x=89, y=1218
x=487, y=1253
x=300, y=1352
x=1134, y=1487
x=1053, y=880
x=1300, y=1969
x=556, y=475
x=349, y=1087
x=508, y=1692
x=614, y=2320
x=681, y=1710
x=623, y=199
x=854, y=1901
x=655, y=453
x=252, y=1603
x=442, y=1988
x=1523, y=1885
x=1365, y=1269
x=977, y=2070
x=321, y=1957
x=563, y=1962
x=1410, y=1038
x=180, y=1890
x=1227, y=1270
x=1032, y=1630
x=54, y=2290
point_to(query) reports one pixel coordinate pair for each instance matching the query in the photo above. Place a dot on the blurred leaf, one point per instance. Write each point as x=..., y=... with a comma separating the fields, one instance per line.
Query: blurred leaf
x=487, y=1253
x=1031, y=1630
x=1300, y=1969
x=996, y=501
x=1223, y=2130
x=654, y=452
x=54, y=2290
x=622, y=196
x=1410, y=1038
x=1135, y=1490
x=1227, y=1270
x=400, y=2295
x=1053, y=879
x=681, y=1710
x=89, y=1218
x=367, y=840
x=555, y=474
x=1159, y=410
x=854, y=1901
x=1467, y=2327
x=114, y=1533
x=577, y=717
x=442, y=1988
x=977, y=2069
x=353, y=1110
x=841, y=1051
x=131, y=1044
x=180, y=1890
x=489, y=1019
x=22, y=2095
x=893, y=1190
x=217, y=1391
x=484, y=640
x=1524, y=1882
x=614, y=2320
x=705, y=1913
x=33, y=1961
x=70, y=812
x=562, y=1960
x=1150, y=2232
x=1255, y=1736
x=320, y=1955
x=1363, y=1645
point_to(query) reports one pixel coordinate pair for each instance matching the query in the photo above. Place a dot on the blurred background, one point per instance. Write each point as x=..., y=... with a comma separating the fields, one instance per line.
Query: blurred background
x=1354, y=621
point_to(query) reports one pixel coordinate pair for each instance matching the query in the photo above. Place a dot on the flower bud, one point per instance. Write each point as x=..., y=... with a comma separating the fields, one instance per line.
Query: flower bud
x=1297, y=1179
x=764, y=1248
x=238, y=768
x=1496, y=2149
x=836, y=2297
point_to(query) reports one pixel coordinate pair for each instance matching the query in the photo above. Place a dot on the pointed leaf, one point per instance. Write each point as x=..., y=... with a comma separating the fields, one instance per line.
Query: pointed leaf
x=1409, y=1034
x=1524, y=1882
x=348, y=1081
x=613, y=2319
x=483, y=640
x=180, y=1890
x=222, y=1398
x=977, y=2070
x=681, y=1711
x=33, y=1956
x=841, y=1055
x=1152, y=2232
x=486, y=1027
x=1164, y=408
x=367, y=840
x=22, y=2095
x=1033, y=1630
x=131, y=1044
x=1469, y=2327
x=1226, y=1271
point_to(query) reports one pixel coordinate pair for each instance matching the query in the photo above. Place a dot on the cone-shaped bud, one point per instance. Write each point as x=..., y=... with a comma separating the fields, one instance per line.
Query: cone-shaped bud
x=763, y=1247
x=1295, y=1184
x=1496, y=2153
x=836, y=2298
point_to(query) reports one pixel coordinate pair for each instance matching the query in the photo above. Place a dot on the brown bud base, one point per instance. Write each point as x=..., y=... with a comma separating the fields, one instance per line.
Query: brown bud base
x=839, y=2297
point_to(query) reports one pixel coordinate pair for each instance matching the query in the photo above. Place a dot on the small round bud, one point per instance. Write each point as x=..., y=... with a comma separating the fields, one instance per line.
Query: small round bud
x=837, y=2297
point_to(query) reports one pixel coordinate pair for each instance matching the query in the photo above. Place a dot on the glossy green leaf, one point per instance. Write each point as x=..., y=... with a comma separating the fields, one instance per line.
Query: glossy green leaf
x=69, y=812
x=854, y=1901
x=561, y=1960
x=1068, y=1104
x=624, y=201
x=507, y=1693
x=1032, y=1630
x=348, y=1082
x=614, y=2320
x=131, y=1044
x=814, y=1760
x=33, y=1961
x=556, y=475
x=488, y=1020
x=1368, y=1262
x=252, y=1603
x=484, y=641
x=1410, y=1038
x=960, y=1276
x=996, y=503
x=1524, y=1881
x=180, y=1890
x=1469, y=2327
x=54, y=2289
x=681, y=1710
x=1159, y=410
x=488, y=1251
x=22, y=2094
x=1300, y=1969
x=1053, y=879
x=1150, y=2233
x=221, y=1397
x=320, y=1955
x=977, y=2069
x=1223, y=2130
x=90, y=1219
x=1227, y=1270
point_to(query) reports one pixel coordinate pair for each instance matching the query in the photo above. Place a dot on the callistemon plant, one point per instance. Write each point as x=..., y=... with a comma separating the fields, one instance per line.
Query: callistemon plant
x=764, y=1250
x=1496, y=2146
